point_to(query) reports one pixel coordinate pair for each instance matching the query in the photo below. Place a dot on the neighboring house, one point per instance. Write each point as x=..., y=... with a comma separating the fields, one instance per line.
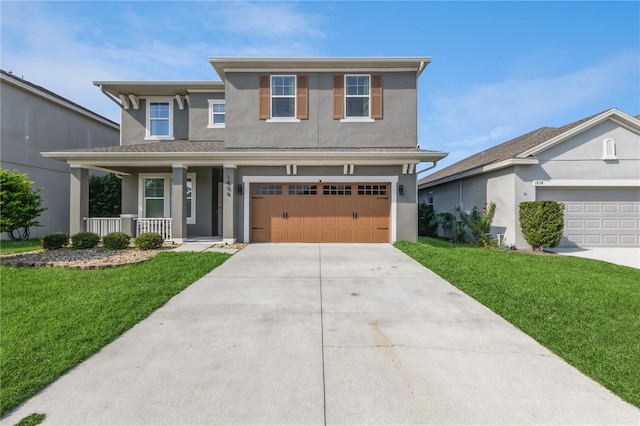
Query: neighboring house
x=279, y=150
x=34, y=119
x=592, y=166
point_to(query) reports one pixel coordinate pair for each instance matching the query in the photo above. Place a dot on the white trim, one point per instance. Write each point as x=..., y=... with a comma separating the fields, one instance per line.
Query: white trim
x=282, y=120
x=180, y=101
x=357, y=120
x=148, y=135
x=588, y=183
x=135, y=101
x=125, y=102
x=213, y=102
x=392, y=180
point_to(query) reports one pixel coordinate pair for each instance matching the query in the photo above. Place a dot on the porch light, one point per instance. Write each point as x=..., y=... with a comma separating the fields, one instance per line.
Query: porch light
x=401, y=189
x=239, y=189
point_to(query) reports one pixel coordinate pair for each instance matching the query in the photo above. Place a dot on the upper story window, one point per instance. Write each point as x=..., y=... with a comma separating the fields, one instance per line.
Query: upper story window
x=357, y=97
x=216, y=113
x=283, y=98
x=159, y=119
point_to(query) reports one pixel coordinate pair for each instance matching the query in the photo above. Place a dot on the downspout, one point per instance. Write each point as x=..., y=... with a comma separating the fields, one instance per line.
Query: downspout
x=110, y=96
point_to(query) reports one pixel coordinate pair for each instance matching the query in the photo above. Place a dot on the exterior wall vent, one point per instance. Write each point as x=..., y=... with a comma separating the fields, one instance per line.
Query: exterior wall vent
x=609, y=149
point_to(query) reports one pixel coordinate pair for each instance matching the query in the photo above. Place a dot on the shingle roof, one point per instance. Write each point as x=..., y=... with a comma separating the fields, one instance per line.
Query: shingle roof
x=504, y=151
x=187, y=146
x=53, y=94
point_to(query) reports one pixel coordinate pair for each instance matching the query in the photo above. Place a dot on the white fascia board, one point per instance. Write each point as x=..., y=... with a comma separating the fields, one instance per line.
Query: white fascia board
x=58, y=101
x=587, y=183
x=481, y=170
x=613, y=114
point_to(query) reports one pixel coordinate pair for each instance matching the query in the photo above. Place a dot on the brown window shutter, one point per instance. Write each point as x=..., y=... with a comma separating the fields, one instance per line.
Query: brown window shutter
x=376, y=96
x=265, y=97
x=338, y=96
x=302, y=100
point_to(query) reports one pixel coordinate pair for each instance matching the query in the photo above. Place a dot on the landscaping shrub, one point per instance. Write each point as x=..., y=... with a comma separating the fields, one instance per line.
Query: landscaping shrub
x=105, y=195
x=85, y=240
x=54, y=240
x=148, y=241
x=116, y=241
x=427, y=223
x=479, y=222
x=542, y=223
x=20, y=204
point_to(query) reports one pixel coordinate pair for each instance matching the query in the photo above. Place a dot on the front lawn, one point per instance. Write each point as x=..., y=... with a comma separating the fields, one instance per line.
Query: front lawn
x=585, y=311
x=10, y=246
x=54, y=318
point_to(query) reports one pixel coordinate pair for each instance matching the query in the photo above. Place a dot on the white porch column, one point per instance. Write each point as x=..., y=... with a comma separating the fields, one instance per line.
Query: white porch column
x=78, y=198
x=228, y=204
x=179, y=203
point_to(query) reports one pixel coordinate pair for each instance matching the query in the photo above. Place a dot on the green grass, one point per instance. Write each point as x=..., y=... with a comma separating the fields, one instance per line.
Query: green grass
x=54, y=318
x=11, y=246
x=585, y=311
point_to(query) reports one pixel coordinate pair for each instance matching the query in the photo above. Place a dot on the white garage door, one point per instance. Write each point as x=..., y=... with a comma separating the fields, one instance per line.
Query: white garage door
x=598, y=217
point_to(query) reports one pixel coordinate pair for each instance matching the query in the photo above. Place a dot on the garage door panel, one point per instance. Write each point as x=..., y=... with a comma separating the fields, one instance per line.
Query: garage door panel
x=332, y=212
x=598, y=217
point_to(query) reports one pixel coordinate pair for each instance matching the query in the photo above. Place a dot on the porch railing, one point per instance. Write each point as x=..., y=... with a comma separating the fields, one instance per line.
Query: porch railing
x=106, y=225
x=102, y=225
x=161, y=225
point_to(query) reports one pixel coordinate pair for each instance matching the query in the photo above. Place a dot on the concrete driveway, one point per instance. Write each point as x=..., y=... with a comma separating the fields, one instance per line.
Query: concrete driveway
x=324, y=334
x=625, y=256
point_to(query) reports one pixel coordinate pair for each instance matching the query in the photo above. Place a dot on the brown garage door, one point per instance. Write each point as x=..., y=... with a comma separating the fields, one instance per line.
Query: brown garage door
x=318, y=212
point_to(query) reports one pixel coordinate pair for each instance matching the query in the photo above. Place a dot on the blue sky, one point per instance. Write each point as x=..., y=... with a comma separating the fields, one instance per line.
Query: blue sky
x=499, y=69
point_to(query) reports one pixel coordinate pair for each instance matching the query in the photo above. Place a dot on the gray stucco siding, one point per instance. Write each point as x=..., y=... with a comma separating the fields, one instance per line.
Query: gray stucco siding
x=199, y=118
x=397, y=128
x=134, y=122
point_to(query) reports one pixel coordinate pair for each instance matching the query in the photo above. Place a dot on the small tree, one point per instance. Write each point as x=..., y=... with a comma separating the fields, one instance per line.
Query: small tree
x=105, y=196
x=479, y=222
x=542, y=223
x=446, y=220
x=19, y=204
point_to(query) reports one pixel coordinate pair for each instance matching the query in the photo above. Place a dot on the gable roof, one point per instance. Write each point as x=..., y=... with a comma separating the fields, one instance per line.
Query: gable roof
x=41, y=92
x=522, y=148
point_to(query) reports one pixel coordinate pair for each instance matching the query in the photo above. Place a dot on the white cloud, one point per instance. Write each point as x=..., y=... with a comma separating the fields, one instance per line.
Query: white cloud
x=483, y=115
x=65, y=48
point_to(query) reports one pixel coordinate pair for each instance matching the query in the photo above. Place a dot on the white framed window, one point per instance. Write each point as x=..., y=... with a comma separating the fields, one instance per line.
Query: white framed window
x=155, y=196
x=159, y=119
x=216, y=113
x=283, y=97
x=357, y=92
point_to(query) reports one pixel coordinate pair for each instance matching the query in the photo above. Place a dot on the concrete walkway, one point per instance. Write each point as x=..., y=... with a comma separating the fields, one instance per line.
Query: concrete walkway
x=625, y=256
x=316, y=334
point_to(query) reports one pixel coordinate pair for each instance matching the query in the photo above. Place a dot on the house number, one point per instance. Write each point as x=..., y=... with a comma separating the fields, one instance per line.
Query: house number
x=538, y=182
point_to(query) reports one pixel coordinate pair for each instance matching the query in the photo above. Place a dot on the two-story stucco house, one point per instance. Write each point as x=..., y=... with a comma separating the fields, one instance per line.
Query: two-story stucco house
x=592, y=166
x=279, y=150
x=35, y=119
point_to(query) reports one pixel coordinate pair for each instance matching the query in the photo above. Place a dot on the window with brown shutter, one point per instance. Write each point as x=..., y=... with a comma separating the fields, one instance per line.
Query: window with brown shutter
x=376, y=96
x=302, y=98
x=338, y=96
x=265, y=97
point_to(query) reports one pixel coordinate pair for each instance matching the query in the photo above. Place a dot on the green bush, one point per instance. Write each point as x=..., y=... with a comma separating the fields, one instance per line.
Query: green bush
x=54, y=240
x=427, y=223
x=84, y=240
x=542, y=223
x=148, y=241
x=20, y=204
x=105, y=194
x=116, y=241
x=479, y=222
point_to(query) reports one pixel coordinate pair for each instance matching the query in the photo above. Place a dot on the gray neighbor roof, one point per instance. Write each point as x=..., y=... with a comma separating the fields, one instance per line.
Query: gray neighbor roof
x=504, y=151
